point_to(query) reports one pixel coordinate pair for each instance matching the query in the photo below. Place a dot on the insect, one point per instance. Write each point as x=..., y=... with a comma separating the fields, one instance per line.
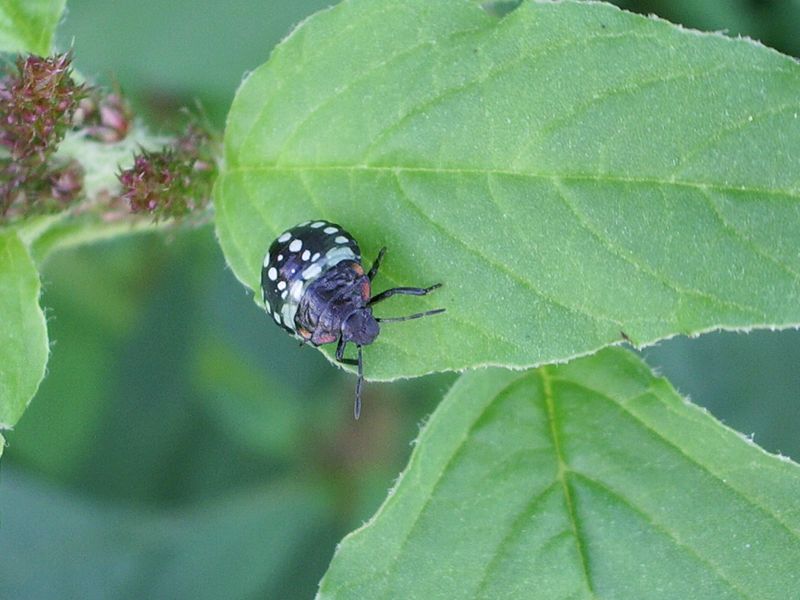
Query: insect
x=315, y=288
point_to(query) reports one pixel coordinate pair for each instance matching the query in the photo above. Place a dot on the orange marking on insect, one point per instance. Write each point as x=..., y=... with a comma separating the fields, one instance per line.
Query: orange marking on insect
x=366, y=290
x=358, y=269
x=304, y=333
x=325, y=339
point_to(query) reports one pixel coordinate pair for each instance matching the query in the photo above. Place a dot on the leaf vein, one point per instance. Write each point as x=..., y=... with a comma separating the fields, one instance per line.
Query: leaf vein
x=715, y=301
x=792, y=195
x=456, y=452
x=668, y=442
x=364, y=75
x=745, y=239
x=297, y=67
x=733, y=128
x=635, y=86
x=612, y=247
x=470, y=325
x=511, y=532
x=489, y=75
x=707, y=564
x=562, y=472
x=501, y=267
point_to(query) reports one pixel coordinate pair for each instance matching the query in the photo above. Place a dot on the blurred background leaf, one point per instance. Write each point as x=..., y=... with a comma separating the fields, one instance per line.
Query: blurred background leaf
x=166, y=391
x=23, y=332
x=168, y=54
x=216, y=549
x=29, y=25
x=774, y=22
x=165, y=380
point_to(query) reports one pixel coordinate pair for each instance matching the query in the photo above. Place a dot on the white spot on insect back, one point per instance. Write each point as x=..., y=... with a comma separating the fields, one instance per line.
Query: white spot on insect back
x=285, y=237
x=317, y=224
x=283, y=295
x=288, y=311
x=337, y=254
x=277, y=317
x=281, y=285
x=295, y=245
x=306, y=255
x=268, y=307
x=330, y=230
x=312, y=271
x=315, y=257
x=266, y=260
x=272, y=273
x=296, y=290
x=340, y=239
x=280, y=257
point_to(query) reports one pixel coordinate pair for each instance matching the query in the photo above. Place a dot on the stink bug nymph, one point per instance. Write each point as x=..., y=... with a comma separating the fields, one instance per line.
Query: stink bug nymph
x=316, y=289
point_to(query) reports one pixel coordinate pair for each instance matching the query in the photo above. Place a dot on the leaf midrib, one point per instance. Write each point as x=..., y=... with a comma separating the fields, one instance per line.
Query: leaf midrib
x=561, y=476
x=672, y=445
x=793, y=194
x=557, y=181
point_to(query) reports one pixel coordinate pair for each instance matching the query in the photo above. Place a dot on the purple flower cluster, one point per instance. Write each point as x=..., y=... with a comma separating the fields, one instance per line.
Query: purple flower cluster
x=40, y=102
x=174, y=181
x=104, y=117
x=37, y=104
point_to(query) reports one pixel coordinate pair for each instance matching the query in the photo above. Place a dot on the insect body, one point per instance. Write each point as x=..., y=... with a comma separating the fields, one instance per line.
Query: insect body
x=316, y=289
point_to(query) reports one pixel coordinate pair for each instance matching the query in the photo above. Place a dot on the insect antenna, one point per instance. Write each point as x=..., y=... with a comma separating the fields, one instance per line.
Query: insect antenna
x=435, y=311
x=359, y=383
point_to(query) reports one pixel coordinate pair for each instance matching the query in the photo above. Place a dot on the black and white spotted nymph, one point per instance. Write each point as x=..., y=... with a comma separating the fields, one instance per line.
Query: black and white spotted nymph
x=315, y=288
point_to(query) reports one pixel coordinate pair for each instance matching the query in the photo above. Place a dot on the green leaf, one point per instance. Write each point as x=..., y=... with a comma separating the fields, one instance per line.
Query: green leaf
x=29, y=25
x=95, y=300
x=568, y=172
x=233, y=547
x=596, y=481
x=252, y=405
x=23, y=331
x=53, y=233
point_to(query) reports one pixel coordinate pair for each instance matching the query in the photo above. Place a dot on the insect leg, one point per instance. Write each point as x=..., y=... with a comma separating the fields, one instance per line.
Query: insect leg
x=435, y=311
x=340, y=354
x=408, y=291
x=359, y=383
x=377, y=264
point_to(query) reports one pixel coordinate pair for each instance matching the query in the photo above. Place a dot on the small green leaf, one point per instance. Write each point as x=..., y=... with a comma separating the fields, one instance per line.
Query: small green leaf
x=568, y=171
x=64, y=231
x=29, y=25
x=23, y=331
x=588, y=480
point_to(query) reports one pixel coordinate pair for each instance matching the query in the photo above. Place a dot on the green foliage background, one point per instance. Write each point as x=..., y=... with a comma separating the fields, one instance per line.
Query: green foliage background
x=175, y=417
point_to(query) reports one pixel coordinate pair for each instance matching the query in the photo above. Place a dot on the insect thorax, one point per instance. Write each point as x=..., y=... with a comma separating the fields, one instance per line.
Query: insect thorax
x=330, y=299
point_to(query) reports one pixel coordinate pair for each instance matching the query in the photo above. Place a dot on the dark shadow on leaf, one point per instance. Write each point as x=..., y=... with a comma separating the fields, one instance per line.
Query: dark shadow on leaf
x=501, y=8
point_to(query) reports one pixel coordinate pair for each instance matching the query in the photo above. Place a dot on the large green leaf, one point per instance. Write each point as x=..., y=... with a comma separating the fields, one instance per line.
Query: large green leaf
x=23, y=332
x=569, y=171
x=596, y=481
x=29, y=25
